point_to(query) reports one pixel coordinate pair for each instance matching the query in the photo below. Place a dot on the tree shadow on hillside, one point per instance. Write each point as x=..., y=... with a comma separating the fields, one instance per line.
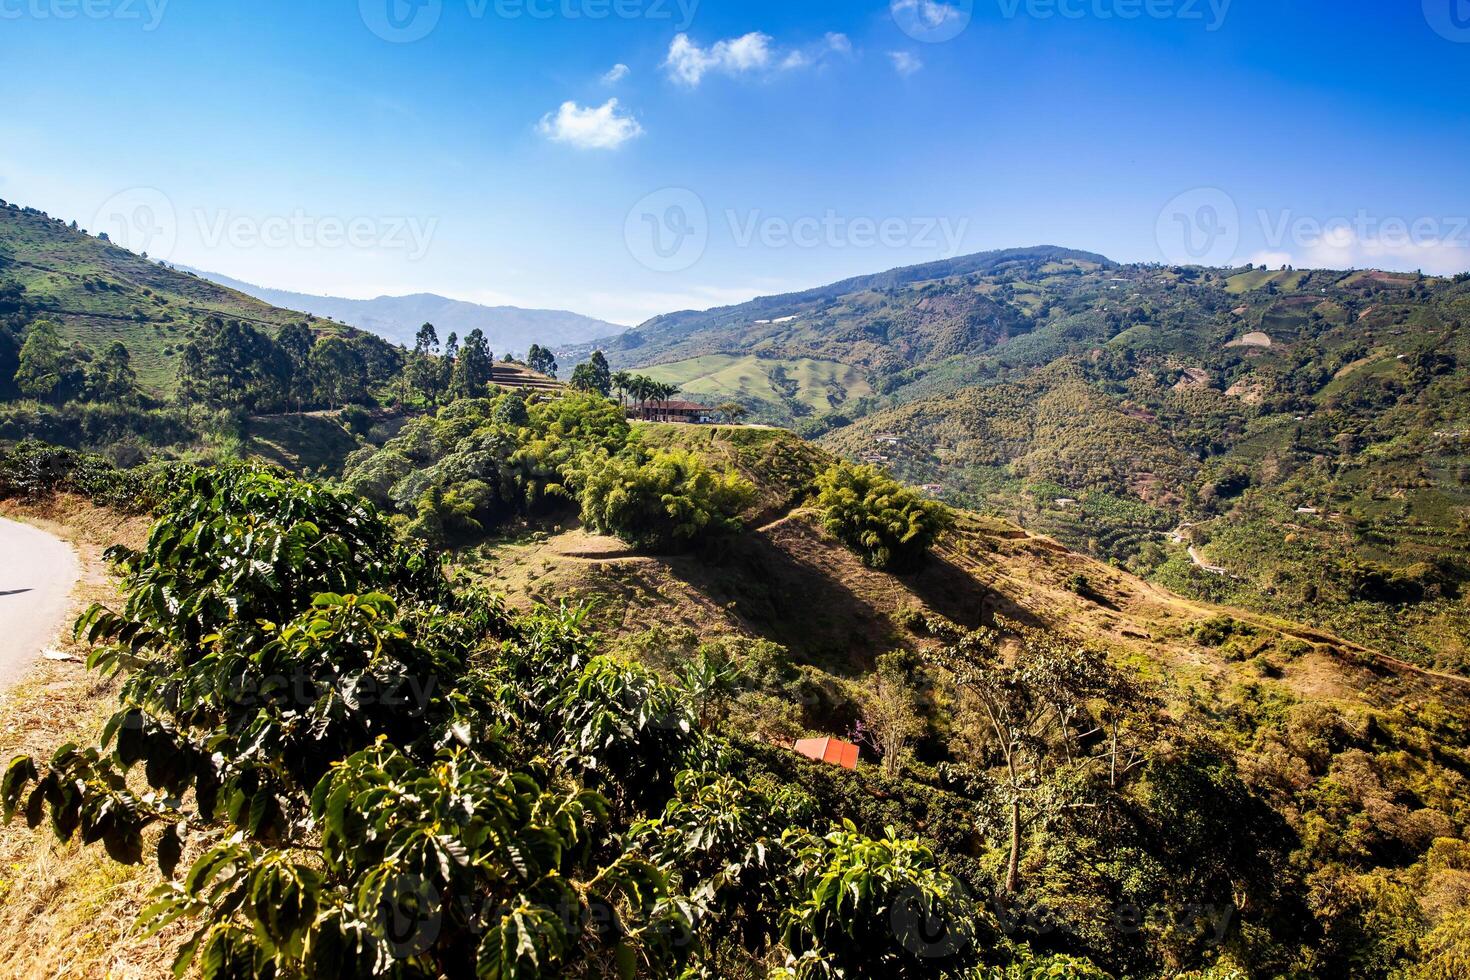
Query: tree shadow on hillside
x=960, y=597
x=814, y=614
x=810, y=595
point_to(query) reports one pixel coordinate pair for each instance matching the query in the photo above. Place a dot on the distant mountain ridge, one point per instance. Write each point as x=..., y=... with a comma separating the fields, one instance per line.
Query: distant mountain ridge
x=398, y=318
x=671, y=328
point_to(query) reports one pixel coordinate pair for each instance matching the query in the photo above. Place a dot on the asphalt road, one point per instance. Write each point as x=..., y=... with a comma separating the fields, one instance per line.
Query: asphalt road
x=37, y=575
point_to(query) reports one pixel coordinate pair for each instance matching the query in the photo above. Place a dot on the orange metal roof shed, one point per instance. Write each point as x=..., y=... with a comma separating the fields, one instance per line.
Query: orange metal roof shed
x=832, y=750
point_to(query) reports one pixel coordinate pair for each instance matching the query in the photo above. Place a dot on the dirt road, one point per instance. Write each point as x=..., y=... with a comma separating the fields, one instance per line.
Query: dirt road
x=37, y=575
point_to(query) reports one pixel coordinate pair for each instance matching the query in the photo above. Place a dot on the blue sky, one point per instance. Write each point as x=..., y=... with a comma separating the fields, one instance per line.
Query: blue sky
x=744, y=147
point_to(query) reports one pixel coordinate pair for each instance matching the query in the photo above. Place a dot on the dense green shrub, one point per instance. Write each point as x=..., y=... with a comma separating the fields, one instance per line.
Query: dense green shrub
x=887, y=524
x=31, y=470
x=667, y=501
x=479, y=462
x=94, y=426
x=384, y=777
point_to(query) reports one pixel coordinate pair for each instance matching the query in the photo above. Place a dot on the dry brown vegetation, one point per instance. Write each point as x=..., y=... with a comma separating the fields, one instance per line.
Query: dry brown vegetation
x=67, y=910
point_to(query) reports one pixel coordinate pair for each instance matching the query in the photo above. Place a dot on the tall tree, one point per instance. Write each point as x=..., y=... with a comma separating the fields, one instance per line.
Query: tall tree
x=295, y=341
x=620, y=382
x=1035, y=711
x=47, y=369
x=112, y=378
x=338, y=373
x=732, y=411
x=425, y=375
x=541, y=360
x=426, y=341
x=474, y=367
x=600, y=373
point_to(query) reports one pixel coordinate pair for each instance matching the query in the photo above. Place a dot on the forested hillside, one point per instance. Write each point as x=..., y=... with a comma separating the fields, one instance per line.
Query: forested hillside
x=1190, y=787
x=98, y=293
x=105, y=349
x=1304, y=432
x=501, y=682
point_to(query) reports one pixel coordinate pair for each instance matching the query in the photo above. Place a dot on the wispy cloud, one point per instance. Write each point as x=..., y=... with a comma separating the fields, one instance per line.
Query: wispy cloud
x=615, y=74
x=905, y=63
x=931, y=14
x=1443, y=257
x=750, y=54
x=605, y=127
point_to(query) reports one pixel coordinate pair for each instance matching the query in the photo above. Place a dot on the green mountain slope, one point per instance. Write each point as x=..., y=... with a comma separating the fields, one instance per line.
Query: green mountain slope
x=1310, y=427
x=1303, y=431
x=882, y=326
x=99, y=293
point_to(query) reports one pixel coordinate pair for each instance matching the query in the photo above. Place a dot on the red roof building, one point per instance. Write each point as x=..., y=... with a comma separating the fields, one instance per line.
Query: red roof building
x=831, y=750
x=673, y=411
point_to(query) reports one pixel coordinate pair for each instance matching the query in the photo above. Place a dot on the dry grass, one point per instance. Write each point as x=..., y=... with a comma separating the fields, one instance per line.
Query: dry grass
x=792, y=583
x=65, y=910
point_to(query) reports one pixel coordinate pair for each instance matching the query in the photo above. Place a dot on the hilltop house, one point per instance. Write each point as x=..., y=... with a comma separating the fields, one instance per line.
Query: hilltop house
x=673, y=411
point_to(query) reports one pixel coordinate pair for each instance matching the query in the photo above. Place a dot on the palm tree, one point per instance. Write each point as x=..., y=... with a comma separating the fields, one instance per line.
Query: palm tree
x=620, y=382
x=641, y=388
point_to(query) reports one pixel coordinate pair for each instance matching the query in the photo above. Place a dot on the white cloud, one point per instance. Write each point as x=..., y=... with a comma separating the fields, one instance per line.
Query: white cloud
x=753, y=53
x=615, y=74
x=1343, y=248
x=689, y=63
x=929, y=13
x=605, y=127
x=905, y=63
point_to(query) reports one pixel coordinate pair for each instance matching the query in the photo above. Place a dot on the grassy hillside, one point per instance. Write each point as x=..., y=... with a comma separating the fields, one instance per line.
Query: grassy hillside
x=1304, y=714
x=1286, y=802
x=776, y=388
x=1309, y=430
x=881, y=325
x=99, y=293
